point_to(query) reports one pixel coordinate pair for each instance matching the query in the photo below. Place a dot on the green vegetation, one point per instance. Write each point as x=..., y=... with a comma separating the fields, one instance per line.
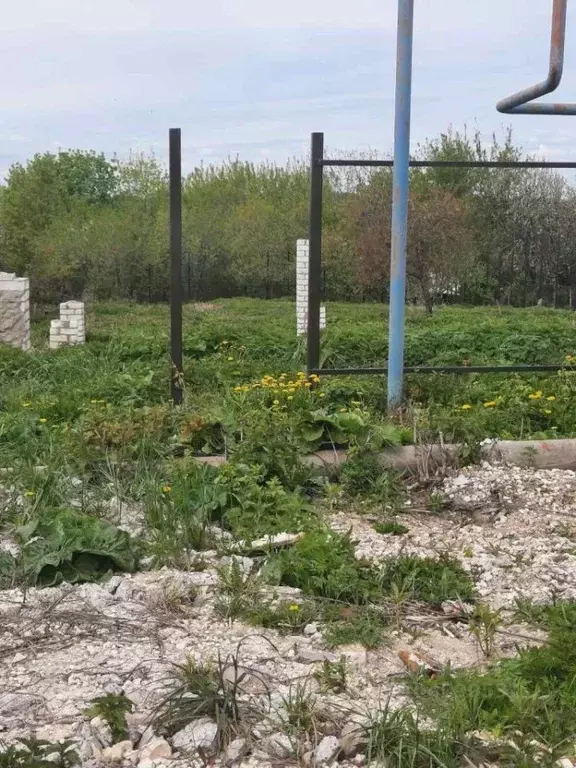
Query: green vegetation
x=76, y=222
x=391, y=527
x=332, y=675
x=97, y=419
x=323, y=564
x=428, y=580
x=82, y=426
x=525, y=707
x=66, y=545
x=214, y=690
x=112, y=708
x=34, y=753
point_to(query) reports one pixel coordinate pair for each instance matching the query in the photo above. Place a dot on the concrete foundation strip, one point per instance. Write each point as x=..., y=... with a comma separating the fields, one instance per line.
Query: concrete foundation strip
x=539, y=454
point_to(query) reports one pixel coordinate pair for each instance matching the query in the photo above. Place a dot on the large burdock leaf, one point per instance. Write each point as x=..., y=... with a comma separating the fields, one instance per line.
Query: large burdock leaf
x=65, y=545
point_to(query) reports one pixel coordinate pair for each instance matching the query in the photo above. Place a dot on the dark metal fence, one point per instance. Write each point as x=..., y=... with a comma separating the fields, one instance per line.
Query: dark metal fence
x=317, y=164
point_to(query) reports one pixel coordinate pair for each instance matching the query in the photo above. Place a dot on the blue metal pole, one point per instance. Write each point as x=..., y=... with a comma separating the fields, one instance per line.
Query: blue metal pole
x=401, y=182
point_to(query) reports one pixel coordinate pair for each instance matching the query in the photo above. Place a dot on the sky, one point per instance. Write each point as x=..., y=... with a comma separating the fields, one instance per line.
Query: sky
x=253, y=78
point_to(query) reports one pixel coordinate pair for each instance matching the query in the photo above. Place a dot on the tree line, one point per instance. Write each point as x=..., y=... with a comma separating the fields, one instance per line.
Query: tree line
x=79, y=224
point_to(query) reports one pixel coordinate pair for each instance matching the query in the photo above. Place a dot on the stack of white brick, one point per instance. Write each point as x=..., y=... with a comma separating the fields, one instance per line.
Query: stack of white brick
x=69, y=329
x=15, y=310
x=302, y=260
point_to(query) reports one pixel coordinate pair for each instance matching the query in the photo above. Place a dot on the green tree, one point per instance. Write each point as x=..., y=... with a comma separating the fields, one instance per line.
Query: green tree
x=47, y=187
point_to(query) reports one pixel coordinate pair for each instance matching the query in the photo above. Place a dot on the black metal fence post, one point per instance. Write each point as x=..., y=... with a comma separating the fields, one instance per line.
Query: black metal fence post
x=176, y=264
x=315, y=251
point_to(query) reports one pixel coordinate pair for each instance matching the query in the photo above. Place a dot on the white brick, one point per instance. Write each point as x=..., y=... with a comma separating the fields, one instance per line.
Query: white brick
x=69, y=328
x=14, y=310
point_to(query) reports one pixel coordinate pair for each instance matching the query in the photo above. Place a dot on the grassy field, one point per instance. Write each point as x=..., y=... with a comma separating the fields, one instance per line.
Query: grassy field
x=98, y=397
x=97, y=418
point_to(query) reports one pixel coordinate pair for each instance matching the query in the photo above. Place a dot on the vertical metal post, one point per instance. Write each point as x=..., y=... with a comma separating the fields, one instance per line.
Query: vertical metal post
x=401, y=192
x=315, y=251
x=176, y=264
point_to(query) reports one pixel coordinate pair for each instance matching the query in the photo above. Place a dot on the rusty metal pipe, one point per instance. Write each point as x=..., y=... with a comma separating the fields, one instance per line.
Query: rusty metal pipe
x=521, y=103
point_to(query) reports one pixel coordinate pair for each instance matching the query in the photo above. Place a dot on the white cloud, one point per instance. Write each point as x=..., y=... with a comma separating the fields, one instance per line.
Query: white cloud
x=257, y=76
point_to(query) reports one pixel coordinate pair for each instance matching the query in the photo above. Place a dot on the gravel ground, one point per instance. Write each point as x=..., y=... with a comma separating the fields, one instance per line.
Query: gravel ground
x=60, y=648
x=513, y=529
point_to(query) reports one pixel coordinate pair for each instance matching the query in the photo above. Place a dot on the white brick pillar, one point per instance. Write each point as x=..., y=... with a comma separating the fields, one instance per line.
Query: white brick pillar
x=15, y=310
x=302, y=260
x=69, y=328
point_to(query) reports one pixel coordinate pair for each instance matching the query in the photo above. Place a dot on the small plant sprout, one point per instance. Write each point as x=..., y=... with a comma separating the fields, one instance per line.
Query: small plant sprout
x=112, y=708
x=332, y=676
x=436, y=502
x=239, y=593
x=484, y=623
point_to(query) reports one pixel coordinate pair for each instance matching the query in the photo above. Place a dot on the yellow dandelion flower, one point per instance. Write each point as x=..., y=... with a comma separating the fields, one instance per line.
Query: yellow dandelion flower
x=465, y=407
x=535, y=395
x=237, y=389
x=322, y=394
x=29, y=494
x=289, y=397
x=490, y=404
x=230, y=359
x=547, y=411
x=42, y=421
x=166, y=488
x=551, y=398
x=26, y=405
x=294, y=607
x=275, y=402
x=356, y=402
x=307, y=384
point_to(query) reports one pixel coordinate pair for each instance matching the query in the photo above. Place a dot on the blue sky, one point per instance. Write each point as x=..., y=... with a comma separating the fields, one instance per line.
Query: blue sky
x=253, y=78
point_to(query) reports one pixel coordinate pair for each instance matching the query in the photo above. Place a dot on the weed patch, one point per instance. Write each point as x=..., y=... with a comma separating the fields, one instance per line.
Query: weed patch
x=363, y=475
x=323, y=564
x=528, y=701
x=33, y=753
x=364, y=626
x=212, y=690
x=426, y=579
x=391, y=527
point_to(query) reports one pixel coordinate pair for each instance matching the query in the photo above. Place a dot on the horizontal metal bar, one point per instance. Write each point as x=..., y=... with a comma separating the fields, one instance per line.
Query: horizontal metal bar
x=542, y=109
x=449, y=164
x=453, y=369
